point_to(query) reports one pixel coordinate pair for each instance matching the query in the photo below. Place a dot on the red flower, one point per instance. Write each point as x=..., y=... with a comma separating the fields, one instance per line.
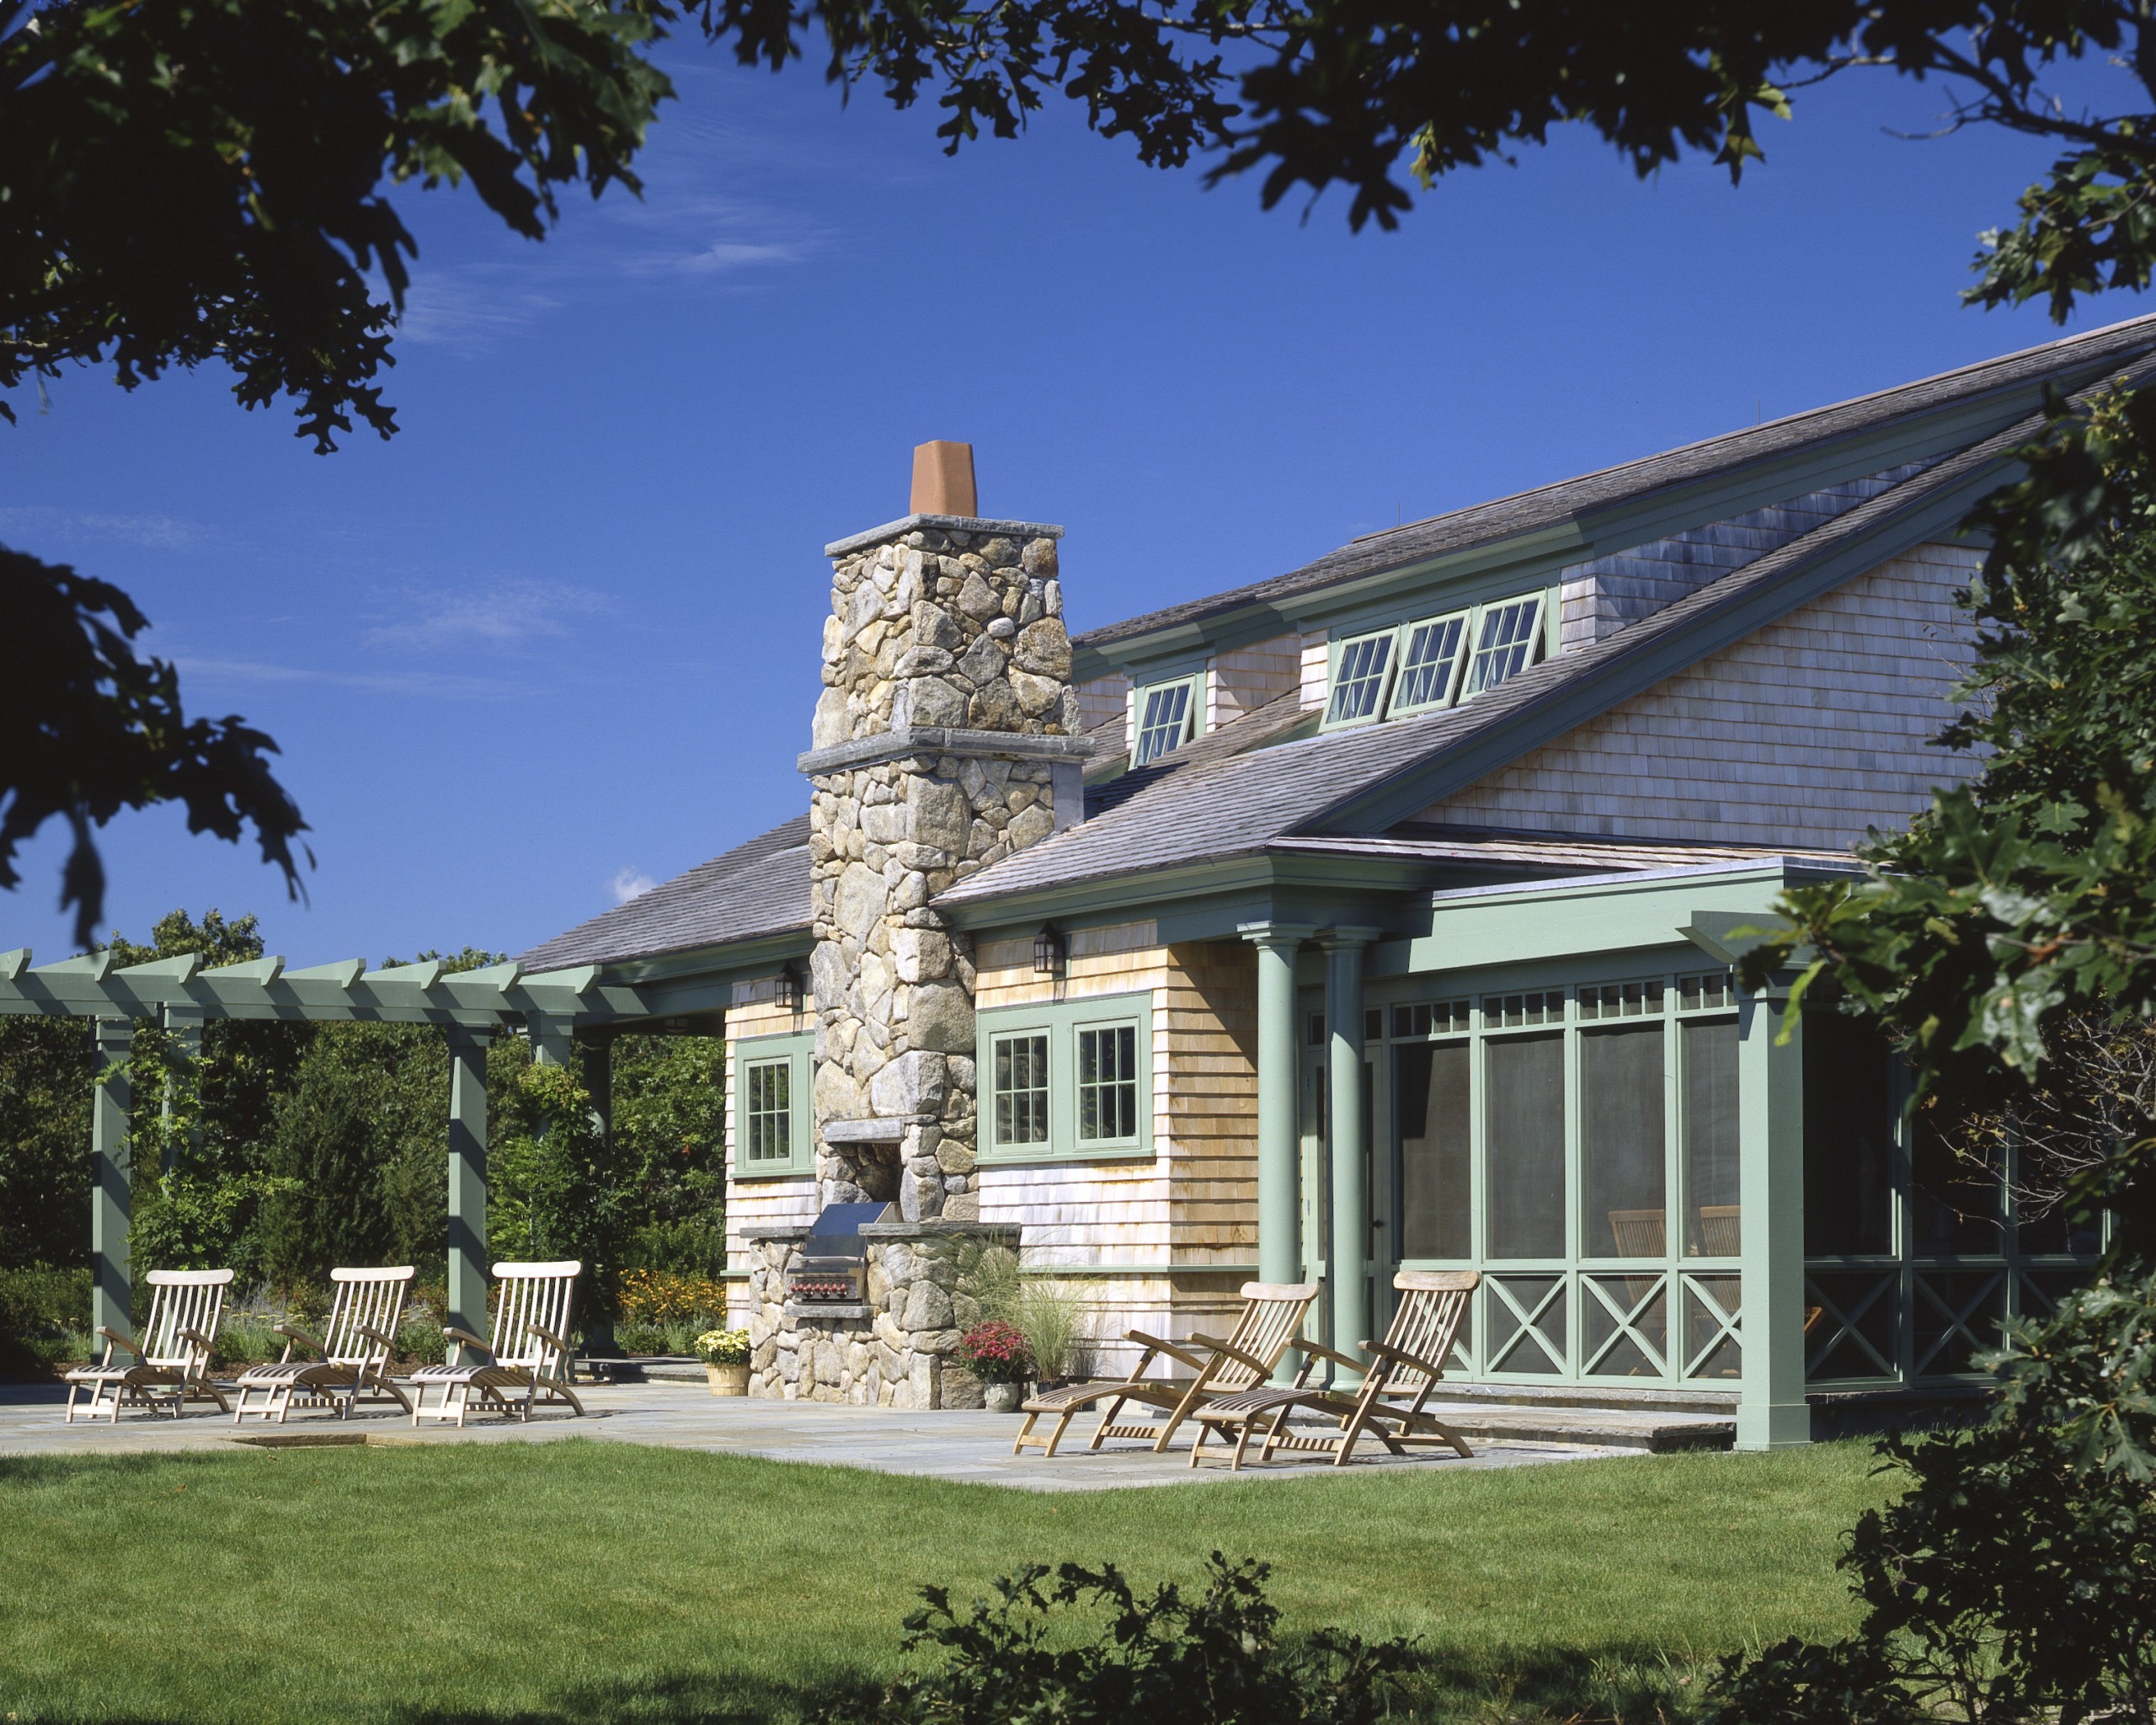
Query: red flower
x=996, y=1352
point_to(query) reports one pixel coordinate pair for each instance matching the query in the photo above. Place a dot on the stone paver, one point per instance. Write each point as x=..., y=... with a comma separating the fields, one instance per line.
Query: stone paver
x=974, y=1448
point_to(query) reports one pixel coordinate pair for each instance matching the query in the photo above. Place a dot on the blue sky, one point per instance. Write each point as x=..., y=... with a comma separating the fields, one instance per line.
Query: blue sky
x=559, y=636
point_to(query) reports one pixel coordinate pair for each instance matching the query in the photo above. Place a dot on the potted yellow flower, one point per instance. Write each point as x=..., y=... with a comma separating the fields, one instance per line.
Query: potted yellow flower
x=725, y=1355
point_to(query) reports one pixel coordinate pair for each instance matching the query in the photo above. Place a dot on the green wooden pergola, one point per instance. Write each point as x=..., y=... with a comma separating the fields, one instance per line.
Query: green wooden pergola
x=472, y=1007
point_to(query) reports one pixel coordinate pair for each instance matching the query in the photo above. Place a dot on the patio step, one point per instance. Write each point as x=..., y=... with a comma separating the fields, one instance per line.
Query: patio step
x=1656, y=1430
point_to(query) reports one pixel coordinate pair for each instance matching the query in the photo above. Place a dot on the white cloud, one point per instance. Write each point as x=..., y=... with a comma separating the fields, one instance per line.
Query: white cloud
x=158, y=533
x=502, y=615
x=445, y=685
x=469, y=311
x=629, y=883
x=727, y=254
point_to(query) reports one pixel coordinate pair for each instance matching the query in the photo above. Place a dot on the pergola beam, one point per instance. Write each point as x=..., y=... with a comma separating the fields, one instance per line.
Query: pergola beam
x=406, y=994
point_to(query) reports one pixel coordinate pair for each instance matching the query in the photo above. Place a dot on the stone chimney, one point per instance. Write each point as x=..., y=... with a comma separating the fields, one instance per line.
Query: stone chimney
x=944, y=741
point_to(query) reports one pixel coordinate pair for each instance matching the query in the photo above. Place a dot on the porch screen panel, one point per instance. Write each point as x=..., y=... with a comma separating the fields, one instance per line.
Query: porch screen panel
x=1623, y=1134
x=1526, y=1135
x=1848, y=1138
x=1712, y=1215
x=1431, y=1103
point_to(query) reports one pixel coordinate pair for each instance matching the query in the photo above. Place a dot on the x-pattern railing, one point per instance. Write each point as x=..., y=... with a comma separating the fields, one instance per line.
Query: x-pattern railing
x=1837, y=1323
x=1958, y=1314
x=1627, y=1316
x=1529, y=1318
x=1722, y=1323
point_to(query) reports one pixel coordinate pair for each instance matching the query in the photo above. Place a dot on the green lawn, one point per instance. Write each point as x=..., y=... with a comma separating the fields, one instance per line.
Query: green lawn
x=580, y=1580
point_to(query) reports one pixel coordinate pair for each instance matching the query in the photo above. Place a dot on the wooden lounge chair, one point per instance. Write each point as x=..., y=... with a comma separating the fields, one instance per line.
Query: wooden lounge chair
x=1272, y=1317
x=528, y=1360
x=1404, y=1369
x=171, y=1363
x=359, y=1338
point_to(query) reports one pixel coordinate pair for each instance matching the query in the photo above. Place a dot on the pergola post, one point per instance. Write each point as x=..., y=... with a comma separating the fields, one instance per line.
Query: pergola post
x=468, y=1177
x=111, y=1198
x=183, y=1025
x=1279, y=1248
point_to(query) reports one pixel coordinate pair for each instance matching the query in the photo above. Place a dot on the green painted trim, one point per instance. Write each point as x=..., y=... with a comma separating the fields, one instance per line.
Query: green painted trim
x=1060, y=1022
x=1137, y=1271
x=1194, y=717
x=798, y=1050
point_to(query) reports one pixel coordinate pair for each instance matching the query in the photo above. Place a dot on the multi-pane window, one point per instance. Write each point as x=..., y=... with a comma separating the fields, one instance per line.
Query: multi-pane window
x=768, y=1110
x=1108, y=1083
x=1505, y=645
x=1359, y=681
x=1164, y=719
x=1021, y=1090
x=1429, y=664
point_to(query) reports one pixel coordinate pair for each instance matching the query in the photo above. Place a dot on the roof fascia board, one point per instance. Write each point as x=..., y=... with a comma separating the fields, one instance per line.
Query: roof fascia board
x=1638, y=521
x=1234, y=881
x=726, y=962
x=1629, y=673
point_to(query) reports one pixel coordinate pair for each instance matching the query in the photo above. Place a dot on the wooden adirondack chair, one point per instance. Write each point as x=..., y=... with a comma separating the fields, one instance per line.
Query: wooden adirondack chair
x=1403, y=1370
x=530, y=1352
x=359, y=1338
x=171, y=1363
x=1272, y=1317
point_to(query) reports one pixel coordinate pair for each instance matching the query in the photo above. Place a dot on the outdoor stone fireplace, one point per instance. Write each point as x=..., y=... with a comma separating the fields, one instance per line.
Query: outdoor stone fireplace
x=944, y=740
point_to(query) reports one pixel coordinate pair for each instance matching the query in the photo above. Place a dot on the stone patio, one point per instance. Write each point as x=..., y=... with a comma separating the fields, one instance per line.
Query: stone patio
x=970, y=1447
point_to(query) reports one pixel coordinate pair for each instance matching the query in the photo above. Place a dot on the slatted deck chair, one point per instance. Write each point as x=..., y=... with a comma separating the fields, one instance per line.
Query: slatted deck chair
x=357, y=1342
x=1403, y=1370
x=172, y=1362
x=1272, y=1317
x=527, y=1362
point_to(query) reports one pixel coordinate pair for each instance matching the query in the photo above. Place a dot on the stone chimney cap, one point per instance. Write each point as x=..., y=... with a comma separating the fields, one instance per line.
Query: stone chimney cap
x=940, y=524
x=943, y=480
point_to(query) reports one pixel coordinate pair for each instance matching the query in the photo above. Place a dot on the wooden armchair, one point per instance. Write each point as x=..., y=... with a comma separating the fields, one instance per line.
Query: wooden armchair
x=172, y=1362
x=1272, y=1317
x=1402, y=1371
x=528, y=1360
x=358, y=1341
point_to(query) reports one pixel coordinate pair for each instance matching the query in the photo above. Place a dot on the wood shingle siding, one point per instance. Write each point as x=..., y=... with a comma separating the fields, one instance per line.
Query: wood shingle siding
x=1601, y=597
x=1102, y=699
x=1804, y=734
x=783, y=1203
x=1245, y=679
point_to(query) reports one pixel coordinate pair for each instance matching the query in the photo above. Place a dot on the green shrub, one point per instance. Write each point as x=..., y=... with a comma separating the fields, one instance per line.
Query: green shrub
x=1167, y=1659
x=44, y=1317
x=246, y=1338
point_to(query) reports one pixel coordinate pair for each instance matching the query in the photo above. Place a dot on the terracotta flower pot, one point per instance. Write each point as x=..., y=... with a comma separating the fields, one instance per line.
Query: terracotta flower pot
x=1002, y=1398
x=728, y=1380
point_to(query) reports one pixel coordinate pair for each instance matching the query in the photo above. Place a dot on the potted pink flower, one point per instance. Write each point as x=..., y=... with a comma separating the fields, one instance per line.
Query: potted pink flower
x=995, y=1352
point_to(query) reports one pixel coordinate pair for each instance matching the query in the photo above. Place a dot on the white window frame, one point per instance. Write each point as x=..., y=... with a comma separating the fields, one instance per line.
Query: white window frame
x=1192, y=715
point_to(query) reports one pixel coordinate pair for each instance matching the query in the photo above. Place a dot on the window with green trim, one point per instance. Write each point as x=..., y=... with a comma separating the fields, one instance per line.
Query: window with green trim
x=1433, y=662
x=1429, y=663
x=1359, y=677
x=1505, y=643
x=770, y=1106
x=1068, y=1079
x=1108, y=1083
x=1021, y=1092
x=1167, y=714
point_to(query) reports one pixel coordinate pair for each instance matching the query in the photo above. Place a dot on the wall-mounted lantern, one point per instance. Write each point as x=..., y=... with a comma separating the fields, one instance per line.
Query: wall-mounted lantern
x=1050, y=951
x=786, y=989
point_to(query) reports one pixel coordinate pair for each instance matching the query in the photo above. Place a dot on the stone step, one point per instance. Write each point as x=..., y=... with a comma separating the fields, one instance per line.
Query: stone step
x=1657, y=1431
x=1616, y=1397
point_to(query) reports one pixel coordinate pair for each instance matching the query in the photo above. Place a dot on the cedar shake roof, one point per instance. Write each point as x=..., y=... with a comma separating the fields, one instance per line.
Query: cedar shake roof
x=758, y=888
x=1552, y=506
x=1269, y=780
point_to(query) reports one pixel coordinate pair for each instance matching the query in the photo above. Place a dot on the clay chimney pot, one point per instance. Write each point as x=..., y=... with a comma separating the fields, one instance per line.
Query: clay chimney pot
x=943, y=479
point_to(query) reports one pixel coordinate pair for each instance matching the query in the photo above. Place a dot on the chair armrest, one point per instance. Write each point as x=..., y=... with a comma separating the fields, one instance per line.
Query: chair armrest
x=548, y=1337
x=197, y=1337
x=374, y=1335
x=1386, y=1350
x=294, y=1333
x=1229, y=1350
x=1318, y=1350
x=453, y=1333
x=112, y=1335
x=1154, y=1344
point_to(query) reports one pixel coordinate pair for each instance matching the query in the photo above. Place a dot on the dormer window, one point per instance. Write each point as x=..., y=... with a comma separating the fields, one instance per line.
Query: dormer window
x=1167, y=714
x=1505, y=645
x=1433, y=662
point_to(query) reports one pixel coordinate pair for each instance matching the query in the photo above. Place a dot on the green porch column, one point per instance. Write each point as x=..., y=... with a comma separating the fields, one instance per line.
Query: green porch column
x=110, y=1198
x=1348, y=1259
x=1279, y=1248
x=467, y=1177
x=553, y=1040
x=1772, y=1413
